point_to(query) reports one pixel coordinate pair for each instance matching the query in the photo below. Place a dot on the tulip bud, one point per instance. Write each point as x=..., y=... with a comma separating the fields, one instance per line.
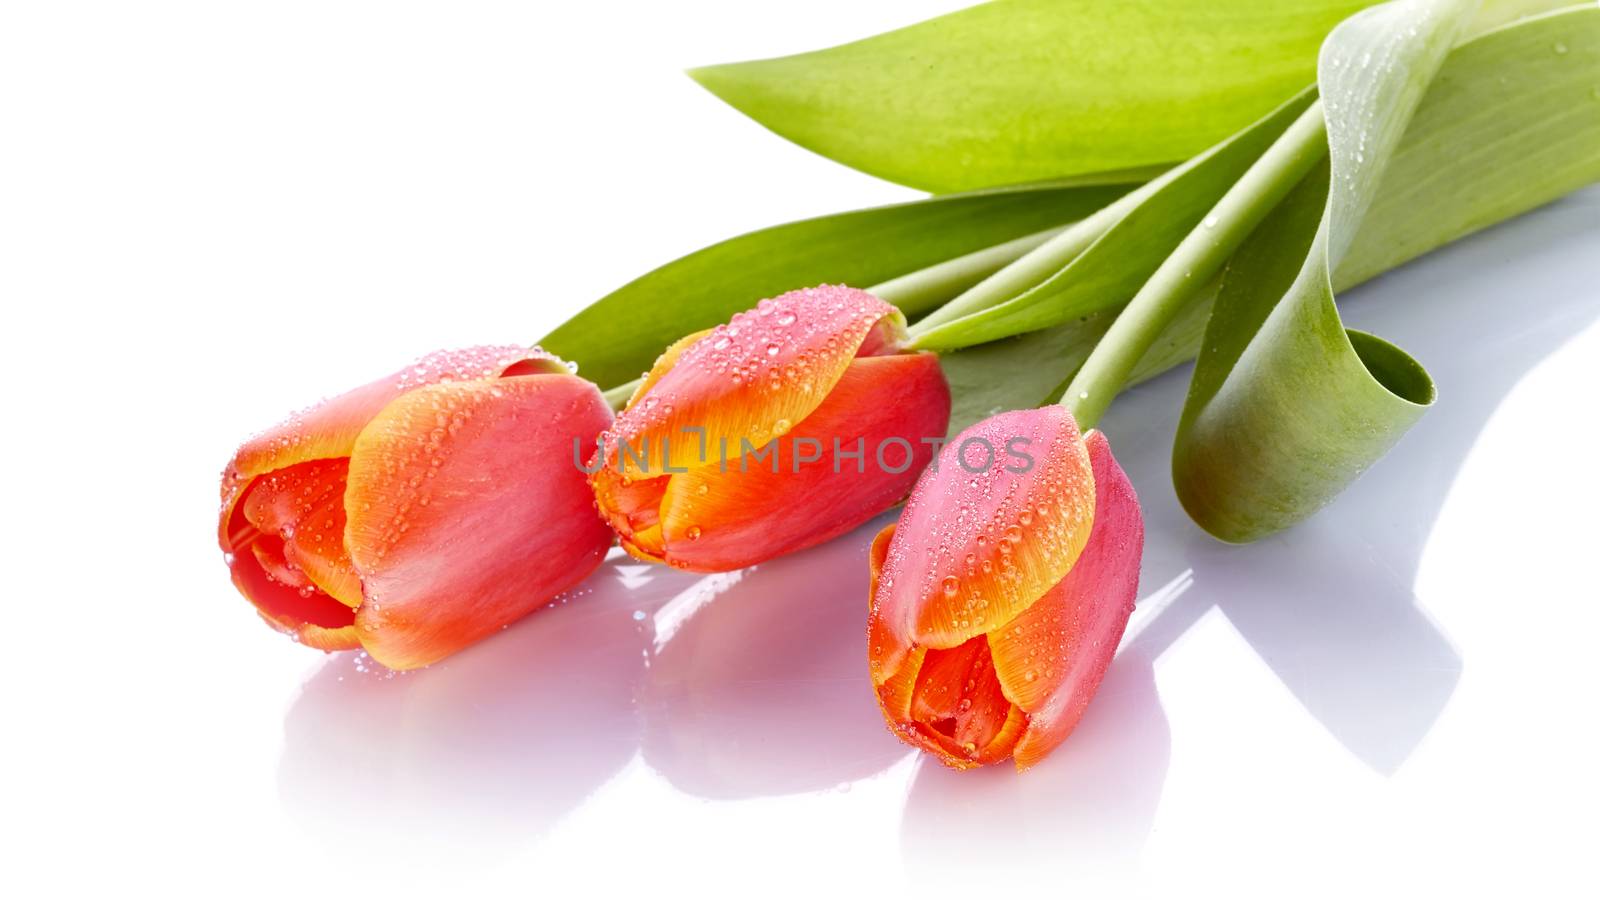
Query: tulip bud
x=791, y=424
x=421, y=512
x=999, y=597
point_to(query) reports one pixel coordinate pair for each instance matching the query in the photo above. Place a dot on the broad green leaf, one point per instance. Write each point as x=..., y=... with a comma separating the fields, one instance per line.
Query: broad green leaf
x=1286, y=406
x=1111, y=270
x=620, y=335
x=1028, y=90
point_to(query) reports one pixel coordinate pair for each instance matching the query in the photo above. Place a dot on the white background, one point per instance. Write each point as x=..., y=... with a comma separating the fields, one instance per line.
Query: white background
x=212, y=213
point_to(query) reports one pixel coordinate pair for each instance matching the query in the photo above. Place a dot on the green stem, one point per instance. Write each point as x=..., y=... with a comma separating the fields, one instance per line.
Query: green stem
x=922, y=291
x=1038, y=264
x=618, y=396
x=1199, y=257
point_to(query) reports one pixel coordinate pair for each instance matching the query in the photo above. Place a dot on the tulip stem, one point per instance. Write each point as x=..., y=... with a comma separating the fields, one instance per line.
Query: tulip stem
x=1030, y=269
x=922, y=291
x=618, y=396
x=1195, y=261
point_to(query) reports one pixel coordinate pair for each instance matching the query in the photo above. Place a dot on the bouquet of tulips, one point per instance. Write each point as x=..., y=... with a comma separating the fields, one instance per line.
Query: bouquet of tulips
x=1117, y=189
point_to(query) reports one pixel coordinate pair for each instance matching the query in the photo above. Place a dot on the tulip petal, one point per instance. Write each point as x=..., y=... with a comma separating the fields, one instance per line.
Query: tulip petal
x=959, y=700
x=881, y=409
x=748, y=380
x=308, y=615
x=289, y=588
x=317, y=549
x=976, y=548
x=1051, y=658
x=909, y=694
x=664, y=363
x=894, y=665
x=268, y=553
x=633, y=510
x=328, y=430
x=1005, y=742
x=956, y=711
x=465, y=511
x=302, y=506
x=280, y=499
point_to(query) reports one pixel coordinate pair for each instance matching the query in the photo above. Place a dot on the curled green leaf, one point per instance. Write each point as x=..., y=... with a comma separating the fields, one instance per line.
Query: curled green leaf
x=1507, y=113
x=1286, y=406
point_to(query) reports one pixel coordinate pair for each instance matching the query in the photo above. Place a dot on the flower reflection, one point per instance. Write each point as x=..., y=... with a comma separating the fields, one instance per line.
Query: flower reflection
x=1087, y=807
x=495, y=745
x=761, y=688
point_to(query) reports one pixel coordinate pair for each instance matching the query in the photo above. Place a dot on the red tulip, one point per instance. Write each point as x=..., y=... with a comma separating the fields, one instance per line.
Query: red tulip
x=818, y=373
x=999, y=597
x=421, y=512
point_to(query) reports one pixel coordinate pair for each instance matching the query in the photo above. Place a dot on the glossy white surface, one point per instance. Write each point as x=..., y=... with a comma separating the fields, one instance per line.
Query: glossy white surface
x=216, y=213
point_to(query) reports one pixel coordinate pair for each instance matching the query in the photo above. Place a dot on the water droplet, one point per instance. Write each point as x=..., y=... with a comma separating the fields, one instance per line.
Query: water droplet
x=638, y=615
x=1211, y=221
x=693, y=532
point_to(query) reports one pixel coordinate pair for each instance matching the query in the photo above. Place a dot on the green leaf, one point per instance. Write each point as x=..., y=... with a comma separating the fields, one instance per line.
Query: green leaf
x=1511, y=122
x=620, y=335
x=1112, y=269
x=1508, y=82
x=1028, y=90
x=1286, y=406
